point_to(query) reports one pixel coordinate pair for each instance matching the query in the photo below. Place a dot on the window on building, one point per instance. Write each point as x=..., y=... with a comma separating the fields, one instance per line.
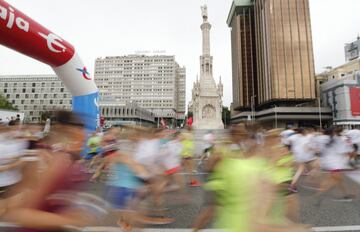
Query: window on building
x=23, y=90
x=62, y=90
x=6, y=84
x=33, y=90
x=31, y=101
x=17, y=96
x=36, y=95
x=33, y=84
x=51, y=101
x=26, y=95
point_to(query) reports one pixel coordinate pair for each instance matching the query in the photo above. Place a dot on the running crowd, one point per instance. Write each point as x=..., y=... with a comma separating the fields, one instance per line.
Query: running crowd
x=250, y=184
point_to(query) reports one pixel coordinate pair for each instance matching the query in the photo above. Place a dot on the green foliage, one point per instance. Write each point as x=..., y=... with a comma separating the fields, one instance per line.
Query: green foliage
x=226, y=116
x=190, y=114
x=5, y=104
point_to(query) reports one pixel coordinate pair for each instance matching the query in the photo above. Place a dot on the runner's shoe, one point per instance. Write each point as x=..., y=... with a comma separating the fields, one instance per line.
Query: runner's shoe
x=195, y=183
x=293, y=188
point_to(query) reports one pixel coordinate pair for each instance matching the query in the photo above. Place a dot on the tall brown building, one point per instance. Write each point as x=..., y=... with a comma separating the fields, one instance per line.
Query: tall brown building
x=243, y=48
x=272, y=52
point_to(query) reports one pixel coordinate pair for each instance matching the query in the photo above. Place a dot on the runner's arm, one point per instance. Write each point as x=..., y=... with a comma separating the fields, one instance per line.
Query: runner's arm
x=7, y=167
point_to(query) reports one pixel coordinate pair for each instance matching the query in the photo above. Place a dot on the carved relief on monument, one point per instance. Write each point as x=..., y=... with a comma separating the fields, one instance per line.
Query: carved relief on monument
x=208, y=112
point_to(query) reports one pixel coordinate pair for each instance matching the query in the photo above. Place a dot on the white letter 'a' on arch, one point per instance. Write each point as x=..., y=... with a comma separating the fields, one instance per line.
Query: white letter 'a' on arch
x=22, y=24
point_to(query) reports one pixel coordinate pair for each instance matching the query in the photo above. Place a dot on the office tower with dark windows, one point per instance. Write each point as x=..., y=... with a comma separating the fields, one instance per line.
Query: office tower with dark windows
x=243, y=46
x=279, y=67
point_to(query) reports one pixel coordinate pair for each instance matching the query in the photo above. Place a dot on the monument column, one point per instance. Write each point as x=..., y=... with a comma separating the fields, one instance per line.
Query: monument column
x=207, y=103
x=205, y=27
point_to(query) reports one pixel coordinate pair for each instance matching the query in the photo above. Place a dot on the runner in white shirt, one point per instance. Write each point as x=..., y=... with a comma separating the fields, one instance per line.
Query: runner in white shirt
x=334, y=150
x=209, y=142
x=12, y=150
x=354, y=137
x=304, y=155
x=285, y=136
x=172, y=162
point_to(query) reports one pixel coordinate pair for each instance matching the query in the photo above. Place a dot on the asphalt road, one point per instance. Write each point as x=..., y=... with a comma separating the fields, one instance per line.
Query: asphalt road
x=330, y=213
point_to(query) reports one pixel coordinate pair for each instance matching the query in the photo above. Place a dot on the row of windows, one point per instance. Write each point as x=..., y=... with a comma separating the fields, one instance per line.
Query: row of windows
x=133, y=60
x=33, y=90
x=45, y=96
x=37, y=84
x=42, y=107
x=123, y=111
x=19, y=103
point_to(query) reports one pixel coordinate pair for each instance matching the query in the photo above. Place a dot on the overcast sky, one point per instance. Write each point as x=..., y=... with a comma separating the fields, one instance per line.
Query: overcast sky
x=99, y=28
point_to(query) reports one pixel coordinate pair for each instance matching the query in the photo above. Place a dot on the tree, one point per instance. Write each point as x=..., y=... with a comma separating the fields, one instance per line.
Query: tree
x=190, y=114
x=5, y=104
x=226, y=116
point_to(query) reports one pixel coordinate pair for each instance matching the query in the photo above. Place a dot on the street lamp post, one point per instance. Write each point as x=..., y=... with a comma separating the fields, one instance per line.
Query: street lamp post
x=253, y=108
x=276, y=121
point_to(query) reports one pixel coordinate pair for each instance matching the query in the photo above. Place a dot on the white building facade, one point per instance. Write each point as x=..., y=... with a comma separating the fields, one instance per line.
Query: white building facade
x=156, y=83
x=343, y=97
x=125, y=113
x=35, y=95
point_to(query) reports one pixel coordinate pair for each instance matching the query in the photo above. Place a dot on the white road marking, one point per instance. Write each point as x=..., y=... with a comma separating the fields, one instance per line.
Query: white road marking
x=194, y=173
x=336, y=228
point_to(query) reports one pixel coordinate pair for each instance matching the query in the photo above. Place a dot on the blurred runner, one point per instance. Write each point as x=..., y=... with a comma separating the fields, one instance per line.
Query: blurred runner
x=334, y=158
x=243, y=189
x=188, y=149
x=50, y=202
x=12, y=149
x=304, y=155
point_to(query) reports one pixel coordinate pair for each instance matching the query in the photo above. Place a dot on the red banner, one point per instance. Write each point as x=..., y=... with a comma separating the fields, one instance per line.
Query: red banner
x=355, y=101
x=22, y=34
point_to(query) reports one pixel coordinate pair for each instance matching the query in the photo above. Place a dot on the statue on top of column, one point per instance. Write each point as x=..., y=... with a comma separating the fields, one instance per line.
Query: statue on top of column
x=204, y=12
